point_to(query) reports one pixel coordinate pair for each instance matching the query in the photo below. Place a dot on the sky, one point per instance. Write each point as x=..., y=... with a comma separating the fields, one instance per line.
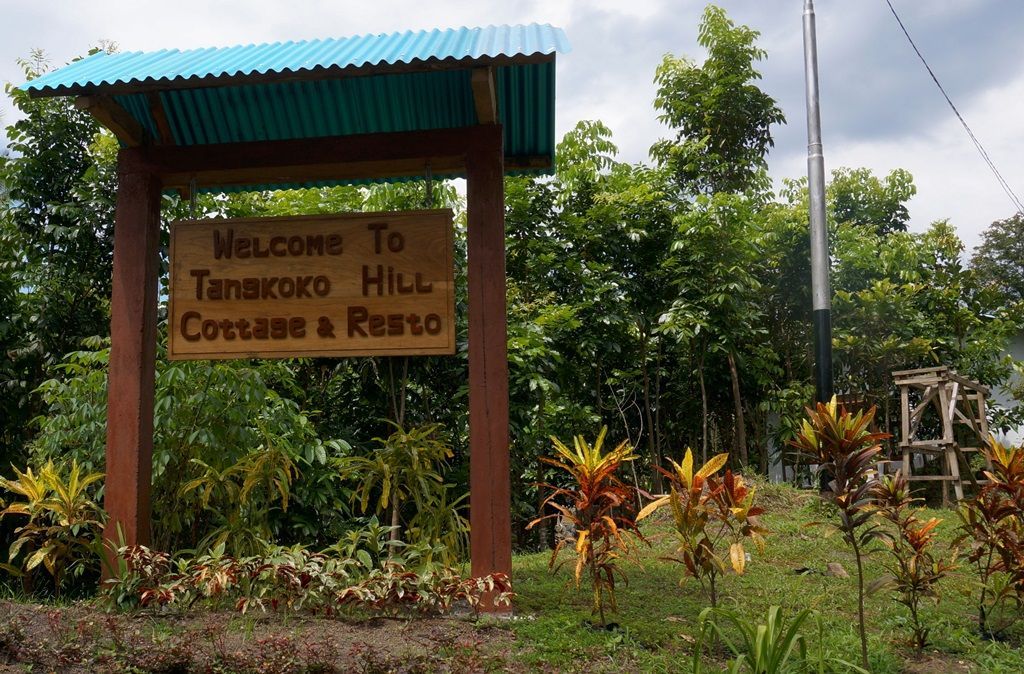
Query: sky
x=880, y=109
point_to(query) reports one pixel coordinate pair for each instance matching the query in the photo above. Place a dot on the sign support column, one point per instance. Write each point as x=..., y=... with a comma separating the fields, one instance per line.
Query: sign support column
x=489, y=492
x=130, y=392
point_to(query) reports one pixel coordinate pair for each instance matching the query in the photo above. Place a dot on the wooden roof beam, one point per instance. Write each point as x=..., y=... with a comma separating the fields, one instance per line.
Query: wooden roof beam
x=485, y=99
x=111, y=115
x=156, y=109
x=337, y=158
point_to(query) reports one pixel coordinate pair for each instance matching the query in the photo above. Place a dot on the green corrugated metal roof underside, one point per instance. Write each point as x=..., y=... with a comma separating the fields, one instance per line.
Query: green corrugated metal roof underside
x=372, y=104
x=328, y=104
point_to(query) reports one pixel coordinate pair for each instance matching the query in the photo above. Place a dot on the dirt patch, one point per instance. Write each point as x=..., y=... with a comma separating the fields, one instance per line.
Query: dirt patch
x=83, y=638
x=936, y=663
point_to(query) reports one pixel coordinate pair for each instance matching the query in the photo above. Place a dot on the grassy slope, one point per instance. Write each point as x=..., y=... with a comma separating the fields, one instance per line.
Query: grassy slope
x=659, y=618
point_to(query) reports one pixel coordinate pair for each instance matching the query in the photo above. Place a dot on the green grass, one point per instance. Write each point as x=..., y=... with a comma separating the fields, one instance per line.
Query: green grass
x=658, y=618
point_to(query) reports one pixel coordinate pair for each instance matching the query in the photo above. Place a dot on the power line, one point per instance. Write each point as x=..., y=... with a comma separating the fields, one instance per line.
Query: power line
x=974, y=139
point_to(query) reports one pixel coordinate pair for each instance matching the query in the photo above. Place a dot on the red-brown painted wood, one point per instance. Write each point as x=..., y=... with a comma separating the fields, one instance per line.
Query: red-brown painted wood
x=489, y=487
x=134, y=300
x=364, y=156
x=132, y=354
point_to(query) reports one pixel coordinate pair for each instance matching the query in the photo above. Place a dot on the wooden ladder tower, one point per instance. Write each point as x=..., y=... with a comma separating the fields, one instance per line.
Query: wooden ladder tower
x=957, y=401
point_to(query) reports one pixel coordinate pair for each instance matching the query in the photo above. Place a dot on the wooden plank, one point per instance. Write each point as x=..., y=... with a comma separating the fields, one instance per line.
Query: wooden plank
x=937, y=444
x=359, y=284
x=970, y=473
x=954, y=470
x=905, y=432
x=931, y=478
x=905, y=414
x=130, y=394
x=983, y=422
x=921, y=370
x=316, y=75
x=490, y=488
x=941, y=405
x=298, y=173
x=972, y=419
x=969, y=383
x=357, y=157
x=440, y=167
x=156, y=110
x=918, y=411
x=207, y=162
x=982, y=415
x=484, y=98
x=111, y=115
x=952, y=401
x=920, y=382
x=961, y=418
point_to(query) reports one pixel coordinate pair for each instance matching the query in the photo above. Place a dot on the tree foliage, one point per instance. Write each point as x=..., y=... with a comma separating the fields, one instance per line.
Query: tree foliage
x=666, y=300
x=721, y=119
x=858, y=197
x=56, y=227
x=1000, y=257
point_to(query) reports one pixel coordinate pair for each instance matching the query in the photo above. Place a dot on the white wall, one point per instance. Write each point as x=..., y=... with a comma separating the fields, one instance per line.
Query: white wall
x=1002, y=397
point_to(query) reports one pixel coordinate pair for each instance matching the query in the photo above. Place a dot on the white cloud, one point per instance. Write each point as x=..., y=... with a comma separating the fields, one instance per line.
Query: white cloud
x=881, y=111
x=952, y=179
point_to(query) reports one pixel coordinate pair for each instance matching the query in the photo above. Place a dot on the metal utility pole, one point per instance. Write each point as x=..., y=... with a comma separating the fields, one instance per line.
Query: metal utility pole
x=820, y=293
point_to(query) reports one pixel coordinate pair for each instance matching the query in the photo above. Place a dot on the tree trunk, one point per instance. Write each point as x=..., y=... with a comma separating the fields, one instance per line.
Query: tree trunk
x=657, y=401
x=759, y=423
x=402, y=391
x=546, y=530
x=396, y=521
x=397, y=390
x=703, y=411
x=649, y=418
x=741, y=431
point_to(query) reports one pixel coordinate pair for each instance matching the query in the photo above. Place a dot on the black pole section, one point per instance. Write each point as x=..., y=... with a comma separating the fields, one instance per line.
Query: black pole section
x=823, y=388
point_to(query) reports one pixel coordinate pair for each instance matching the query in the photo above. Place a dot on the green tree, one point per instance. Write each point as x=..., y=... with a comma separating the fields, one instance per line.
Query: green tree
x=858, y=197
x=999, y=260
x=722, y=123
x=721, y=119
x=716, y=312
x=58, y=221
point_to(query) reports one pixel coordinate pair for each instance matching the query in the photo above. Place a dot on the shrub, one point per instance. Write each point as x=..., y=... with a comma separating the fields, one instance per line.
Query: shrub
x=845, y=449
x=766, y=648
x=241, y=497
x=294, y=579
x=599, y=506
x=208, y=416
x=915, y=572
x=992, y=525
x=408, y=469
x=707, y=512
x=64, y=526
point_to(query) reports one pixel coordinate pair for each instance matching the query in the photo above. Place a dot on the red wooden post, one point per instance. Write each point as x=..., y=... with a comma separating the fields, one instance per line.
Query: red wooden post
x=489, y=487
x=132, y=353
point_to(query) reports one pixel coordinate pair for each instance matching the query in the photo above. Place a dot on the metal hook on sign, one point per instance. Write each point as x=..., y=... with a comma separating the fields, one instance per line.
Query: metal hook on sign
x=428, y=196
x=192, y=199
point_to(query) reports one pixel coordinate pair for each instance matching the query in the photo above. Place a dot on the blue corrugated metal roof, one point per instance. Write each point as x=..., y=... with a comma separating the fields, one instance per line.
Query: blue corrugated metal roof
x=168, y=65
x=249, y=93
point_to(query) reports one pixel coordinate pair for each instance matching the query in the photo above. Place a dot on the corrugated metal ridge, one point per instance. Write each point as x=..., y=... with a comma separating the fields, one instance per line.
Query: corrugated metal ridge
x=304, y=56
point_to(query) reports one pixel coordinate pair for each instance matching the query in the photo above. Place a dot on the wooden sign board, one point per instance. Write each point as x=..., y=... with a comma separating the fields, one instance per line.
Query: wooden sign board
x=328, y=285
